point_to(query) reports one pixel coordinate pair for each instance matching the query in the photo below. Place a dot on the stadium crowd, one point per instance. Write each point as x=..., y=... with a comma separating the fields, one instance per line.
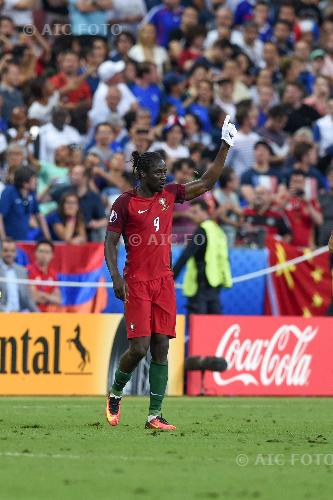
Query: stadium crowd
x=84, y=83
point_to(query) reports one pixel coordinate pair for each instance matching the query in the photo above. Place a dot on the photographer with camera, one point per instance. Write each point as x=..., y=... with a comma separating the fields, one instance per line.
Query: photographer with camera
x=303, y=214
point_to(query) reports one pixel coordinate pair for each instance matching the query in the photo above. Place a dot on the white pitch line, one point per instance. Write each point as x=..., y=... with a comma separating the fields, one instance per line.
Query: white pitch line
x=46, y=407
x=16, y=454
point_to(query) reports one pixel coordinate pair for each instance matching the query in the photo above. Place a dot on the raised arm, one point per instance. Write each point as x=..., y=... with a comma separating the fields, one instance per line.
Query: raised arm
x=208, y=179
x=110, y=252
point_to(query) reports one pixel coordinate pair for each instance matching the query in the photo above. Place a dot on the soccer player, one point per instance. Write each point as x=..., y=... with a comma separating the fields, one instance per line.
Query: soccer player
x=144, y=217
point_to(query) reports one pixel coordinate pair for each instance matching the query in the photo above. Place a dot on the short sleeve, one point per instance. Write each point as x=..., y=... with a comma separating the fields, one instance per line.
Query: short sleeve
x=178, y=190
x=5, y=202
x=119, y=214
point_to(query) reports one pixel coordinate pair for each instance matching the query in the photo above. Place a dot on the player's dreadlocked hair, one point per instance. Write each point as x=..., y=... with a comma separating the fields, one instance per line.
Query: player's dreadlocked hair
x=142, y=163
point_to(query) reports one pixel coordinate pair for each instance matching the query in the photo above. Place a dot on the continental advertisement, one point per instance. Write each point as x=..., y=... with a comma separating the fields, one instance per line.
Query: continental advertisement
x=72, y=354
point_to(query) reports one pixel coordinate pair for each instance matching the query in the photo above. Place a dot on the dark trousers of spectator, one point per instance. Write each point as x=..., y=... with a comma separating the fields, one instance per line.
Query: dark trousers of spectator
x=206, y=301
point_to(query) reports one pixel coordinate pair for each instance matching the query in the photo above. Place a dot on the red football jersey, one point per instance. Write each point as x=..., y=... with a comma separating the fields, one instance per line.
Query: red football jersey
x=146, y=225
x=34, y=272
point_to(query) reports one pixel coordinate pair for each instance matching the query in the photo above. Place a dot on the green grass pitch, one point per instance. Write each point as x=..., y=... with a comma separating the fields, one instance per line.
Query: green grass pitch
x=61, y=448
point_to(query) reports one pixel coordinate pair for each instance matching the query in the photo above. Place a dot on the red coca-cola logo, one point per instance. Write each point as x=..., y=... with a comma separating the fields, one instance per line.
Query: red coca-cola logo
x=280, y=360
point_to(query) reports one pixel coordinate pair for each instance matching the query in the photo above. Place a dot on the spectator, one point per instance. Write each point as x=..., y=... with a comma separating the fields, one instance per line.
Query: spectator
x=323, y=130
x=261, y=219
x=174, y=85
x=73, y=88
x=183, y=226
x=208, y=267
x=174, y=134
x=122, y=45
x=13, y=297
x=282, y=37
x=305, y=156
x=261, y=174
x=193, y=49
x=43, y=100
x=327, y=69
x=273, y=134
x=165, y=17
x=67, y=223
x=112, y=107
x=194, y=133
x=326, y=206
x=201, y=104
x=299, y=114
x=51, y=176
x=103, y=140
x=90, y=204
x=46, y=297
x=15, y=158
x=271, y=61
x=241, y=156
x=232, y=71
x=116, y=180
x=21, y=15
x=320, y=97
x=223, y=24
x=82, y=16
x=303, y=215
x=110, y=74
x=11, y=95
x=265, y=94
x=140, y=141
x=224, y=97
x=261, y=19
x=228, y=211
x=147, y=50
x=189, y=19
x=55, y=134
x=127, y=15
x=18, y=204
x=248, y=41
x=146, y=90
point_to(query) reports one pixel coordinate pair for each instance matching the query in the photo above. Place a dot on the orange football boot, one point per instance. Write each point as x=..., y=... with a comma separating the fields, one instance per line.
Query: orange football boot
x=112, y=411
x=160, y=424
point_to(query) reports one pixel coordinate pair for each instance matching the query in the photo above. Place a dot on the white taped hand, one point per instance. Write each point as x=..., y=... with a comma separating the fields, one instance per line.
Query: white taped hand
x=229, y=131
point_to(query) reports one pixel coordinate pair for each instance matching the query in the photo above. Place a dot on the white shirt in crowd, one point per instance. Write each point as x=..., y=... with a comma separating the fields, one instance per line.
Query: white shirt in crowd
x=13, y=298
x=121, y=9
x=241, y=156
x=325, y=126
x=3, y=142
x=99, y=105
x=254, y=52
x=43, y=112
x=160, y=56
x=20, y=17
x=228, y=107
x=50, y=138
x=172, y=153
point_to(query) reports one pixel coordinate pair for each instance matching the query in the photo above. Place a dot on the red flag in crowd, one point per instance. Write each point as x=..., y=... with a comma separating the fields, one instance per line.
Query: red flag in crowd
x=304, y=289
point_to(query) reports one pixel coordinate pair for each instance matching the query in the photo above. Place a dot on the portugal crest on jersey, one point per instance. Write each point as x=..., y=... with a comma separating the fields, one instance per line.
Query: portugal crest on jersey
x=163, y=202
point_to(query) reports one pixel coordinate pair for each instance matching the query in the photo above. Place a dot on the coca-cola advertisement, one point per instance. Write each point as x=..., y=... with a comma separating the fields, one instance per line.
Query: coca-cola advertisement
x=282, y=356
